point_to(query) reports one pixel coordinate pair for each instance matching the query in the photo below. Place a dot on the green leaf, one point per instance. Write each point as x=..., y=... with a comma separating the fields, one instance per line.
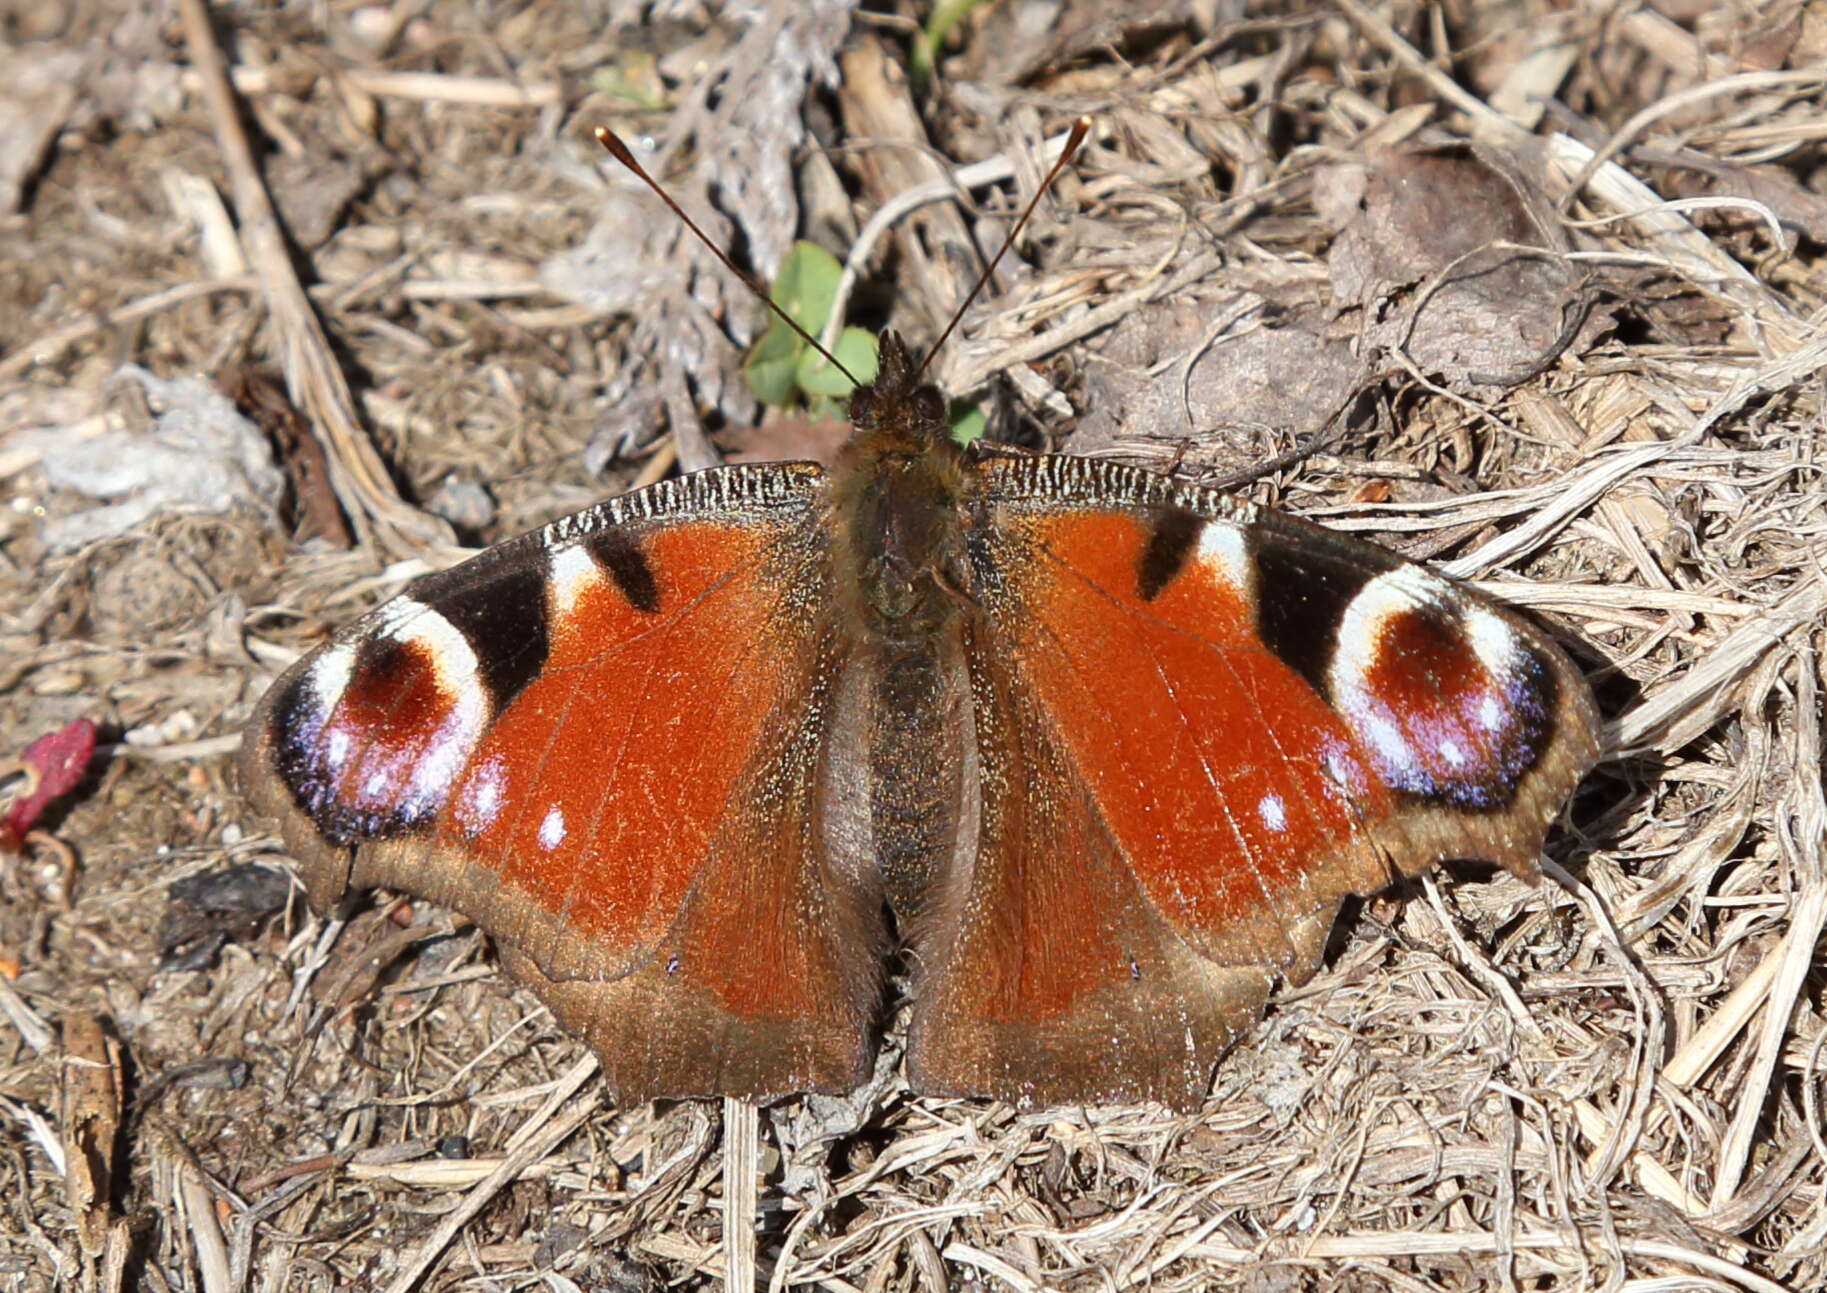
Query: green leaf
x=633, y=79
x=860, y=352
x=771, y=366
x=855, y=350
x=808, y=285
x=928, y=41
x=781, y=365
x=968, y=423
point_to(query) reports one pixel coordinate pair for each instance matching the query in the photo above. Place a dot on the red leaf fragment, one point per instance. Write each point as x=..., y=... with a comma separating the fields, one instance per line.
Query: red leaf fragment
x=55, y=762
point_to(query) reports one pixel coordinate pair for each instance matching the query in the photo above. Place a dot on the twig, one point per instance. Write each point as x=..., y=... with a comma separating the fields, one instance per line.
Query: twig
x=432, y=87
x=207, y=747
x=1680, y=712
x=1680, y=101
x=23, y=1018
x=740, y=1129
x=200, y=1214
x=424, y=87
x=973, y=373
x=1690, y=252
x=313, y=378
x=1570, y=499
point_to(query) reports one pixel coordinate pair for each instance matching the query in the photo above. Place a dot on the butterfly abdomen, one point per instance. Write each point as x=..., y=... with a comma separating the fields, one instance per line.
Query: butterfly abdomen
x=917, y=735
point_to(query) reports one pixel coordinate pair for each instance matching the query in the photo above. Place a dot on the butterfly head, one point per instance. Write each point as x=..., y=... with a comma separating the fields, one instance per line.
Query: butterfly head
x=897, y=409
x=895, y=495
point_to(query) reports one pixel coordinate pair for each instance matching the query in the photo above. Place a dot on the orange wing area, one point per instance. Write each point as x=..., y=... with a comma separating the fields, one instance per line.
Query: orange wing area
x=634, y=815
x=1222, y=777
x=1046, y=975
x=1171, y=810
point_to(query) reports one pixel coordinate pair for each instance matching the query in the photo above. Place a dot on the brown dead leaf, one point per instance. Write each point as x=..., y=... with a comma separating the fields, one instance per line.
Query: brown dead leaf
x=1797, y=209
x=1214, y=370
x=785, y=440
x=261, y=396
x=1432, y=254
x=1018, y=40
x=210, y=908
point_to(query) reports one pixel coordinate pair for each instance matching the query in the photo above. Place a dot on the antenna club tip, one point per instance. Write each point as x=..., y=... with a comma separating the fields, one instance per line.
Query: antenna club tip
x=617, y=149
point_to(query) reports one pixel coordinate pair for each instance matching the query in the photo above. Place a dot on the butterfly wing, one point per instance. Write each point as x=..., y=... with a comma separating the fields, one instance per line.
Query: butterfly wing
x=1199, y=727
x=604, y=743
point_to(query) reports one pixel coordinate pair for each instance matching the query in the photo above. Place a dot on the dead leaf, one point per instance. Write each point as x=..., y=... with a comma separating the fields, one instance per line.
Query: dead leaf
x=208, y=909
x=260, y=396
x=1797, y=209
x=1224, y=372
x=1023, y=38
x=1432, y=258
x=785, y=440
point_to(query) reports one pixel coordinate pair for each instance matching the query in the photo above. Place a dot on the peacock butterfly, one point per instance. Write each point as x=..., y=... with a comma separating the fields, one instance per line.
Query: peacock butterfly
x=1100, y=751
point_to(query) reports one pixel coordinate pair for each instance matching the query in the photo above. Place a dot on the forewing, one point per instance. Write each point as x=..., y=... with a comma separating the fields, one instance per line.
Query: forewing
x=602, y=742
x=1200, y=727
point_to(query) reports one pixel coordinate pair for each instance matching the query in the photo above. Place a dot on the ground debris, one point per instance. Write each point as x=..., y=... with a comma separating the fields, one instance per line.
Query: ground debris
x=1539, y=284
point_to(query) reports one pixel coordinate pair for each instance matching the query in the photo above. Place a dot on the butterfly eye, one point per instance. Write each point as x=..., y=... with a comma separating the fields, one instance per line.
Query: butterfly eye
x=929, y=405
x=862, y=399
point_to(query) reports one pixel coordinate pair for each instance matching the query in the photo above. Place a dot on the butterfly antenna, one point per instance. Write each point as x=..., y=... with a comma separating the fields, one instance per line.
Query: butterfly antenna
x=1080, y=129
x=618, y=150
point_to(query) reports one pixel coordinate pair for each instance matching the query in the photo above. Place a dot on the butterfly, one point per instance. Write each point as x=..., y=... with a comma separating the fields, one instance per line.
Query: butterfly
x=1094, y=753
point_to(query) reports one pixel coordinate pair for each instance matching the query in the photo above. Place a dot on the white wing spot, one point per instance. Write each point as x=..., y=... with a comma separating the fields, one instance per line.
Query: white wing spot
x=481, y=801
x=1221, y=549
x=1450, y=751
x=329, y=678
x=1493, y=642
x=1387, y=740
x=1273, y=814
x=552, y=828
x=573, y=572
x=1490, y=713
x=488, y=793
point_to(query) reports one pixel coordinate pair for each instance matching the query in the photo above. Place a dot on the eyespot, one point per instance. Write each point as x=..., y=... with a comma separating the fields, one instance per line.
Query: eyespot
x=928, y=404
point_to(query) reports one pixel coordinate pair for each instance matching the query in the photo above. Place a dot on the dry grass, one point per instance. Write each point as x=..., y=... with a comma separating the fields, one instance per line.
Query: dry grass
x=1613, y=1079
